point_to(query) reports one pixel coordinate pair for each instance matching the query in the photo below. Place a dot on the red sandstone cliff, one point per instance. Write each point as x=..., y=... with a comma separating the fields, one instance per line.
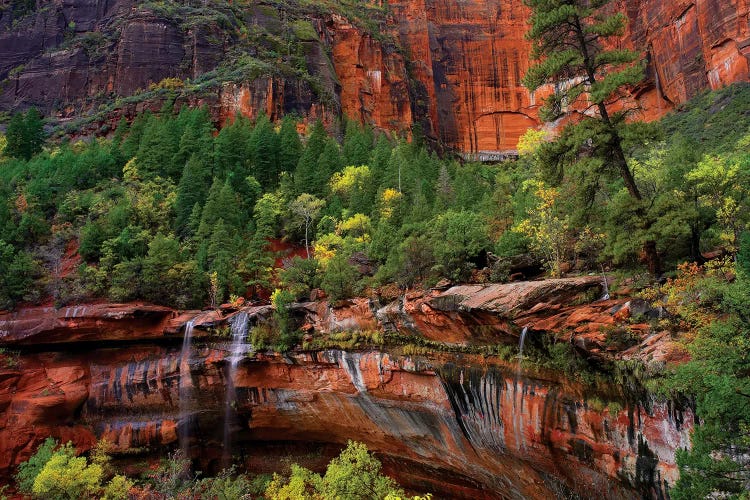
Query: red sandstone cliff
x=462, y=425
x=457, y=70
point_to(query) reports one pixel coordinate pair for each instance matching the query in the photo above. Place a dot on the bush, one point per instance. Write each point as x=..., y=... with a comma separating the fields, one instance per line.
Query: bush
x=29, y=470
x=354, y=474
x=225, y=486
x=118, y=488
x=66, y=476
x=339, y=278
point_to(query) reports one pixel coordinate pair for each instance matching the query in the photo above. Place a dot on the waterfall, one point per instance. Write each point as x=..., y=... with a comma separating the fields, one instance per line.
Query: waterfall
x=185, y=389
x=605, y=286
x=237, y=350
x=239, y=328
x=518, y=395
x=521, y=342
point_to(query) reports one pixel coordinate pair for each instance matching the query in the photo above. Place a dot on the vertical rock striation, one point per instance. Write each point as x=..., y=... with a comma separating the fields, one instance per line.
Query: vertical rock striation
x=454, y=67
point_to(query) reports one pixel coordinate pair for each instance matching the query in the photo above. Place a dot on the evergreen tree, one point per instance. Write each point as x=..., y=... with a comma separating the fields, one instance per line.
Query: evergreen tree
x=163, y=253
x=196, y=138
x=357, y=145
x=339, y=278
x=25, y=135
x=117, y=139
x=305, y=175
x=231, y=153
x=221, y=252
x=191, y=190
x=132, y=142
x=220, y=205
x=264, y=151
x=158, y=147
x=34, y=135
x=256, y=267
x=570, y=44
x=329, y=163
x=290, y=146
x=444, y=190
x=379, y=157
x=14, y=147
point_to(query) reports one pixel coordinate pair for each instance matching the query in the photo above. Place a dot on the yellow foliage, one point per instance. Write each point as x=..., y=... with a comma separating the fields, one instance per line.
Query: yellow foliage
x=530, y=141
x=3, y=143
x=66, y=476
x=168, y=84
x=547, y=232
x=117, y=488
x=684, y=296
x=326, y=246
x=389, y=200
x=301, y=485
x=130, y=171
x=351, y=179
x=358, y=225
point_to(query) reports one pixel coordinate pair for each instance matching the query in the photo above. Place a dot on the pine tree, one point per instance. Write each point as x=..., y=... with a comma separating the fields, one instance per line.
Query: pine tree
x=33, y=133
x=117, y=139
x=357, y=145
x=329, y=163
x=14, y=135
x=132, y=142
x=221, y=204
x=231, y=149
x=290, y=146
x=221, y=252
x=158, y=147
x=264, y=150
x=25, y=135
x=191, y=190
x=305, y=173
x=571, y=44
x=443, y=190
x=196, y=139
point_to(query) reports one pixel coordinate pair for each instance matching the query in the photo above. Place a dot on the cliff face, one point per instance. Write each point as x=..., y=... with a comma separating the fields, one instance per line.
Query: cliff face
x=495, y=432
x=457, y=70
x=469, y=58
x=464, y=426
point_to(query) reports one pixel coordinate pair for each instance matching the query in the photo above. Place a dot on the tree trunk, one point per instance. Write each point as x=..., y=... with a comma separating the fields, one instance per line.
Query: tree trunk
x=695, y=245
x=307, y=246
x=649, y=246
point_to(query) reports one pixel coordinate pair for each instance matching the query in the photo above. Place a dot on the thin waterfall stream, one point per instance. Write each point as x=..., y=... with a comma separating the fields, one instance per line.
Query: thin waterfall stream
x=518, y=395
x=185, y=389
x=521, y=341
x=237, y=350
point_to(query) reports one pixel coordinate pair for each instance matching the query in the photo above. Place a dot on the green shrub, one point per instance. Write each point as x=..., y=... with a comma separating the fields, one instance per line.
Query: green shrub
x=29, y=470
x=66, y=476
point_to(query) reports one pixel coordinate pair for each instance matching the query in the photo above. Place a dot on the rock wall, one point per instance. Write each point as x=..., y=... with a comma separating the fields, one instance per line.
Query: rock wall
x=457, y=71
x=494, y=431
x=469, y=58
x=463, y=426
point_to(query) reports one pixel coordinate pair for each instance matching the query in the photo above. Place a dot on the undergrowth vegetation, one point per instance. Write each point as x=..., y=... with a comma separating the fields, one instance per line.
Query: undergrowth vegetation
x=57, y=472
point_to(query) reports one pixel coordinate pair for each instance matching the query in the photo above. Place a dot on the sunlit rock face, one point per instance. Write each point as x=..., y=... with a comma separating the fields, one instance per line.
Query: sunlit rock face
x=454, y=67
x=469, y=58
x=463, y=426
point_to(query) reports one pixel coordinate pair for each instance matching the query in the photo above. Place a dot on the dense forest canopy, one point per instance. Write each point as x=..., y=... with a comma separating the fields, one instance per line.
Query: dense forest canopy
x=168, y=207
